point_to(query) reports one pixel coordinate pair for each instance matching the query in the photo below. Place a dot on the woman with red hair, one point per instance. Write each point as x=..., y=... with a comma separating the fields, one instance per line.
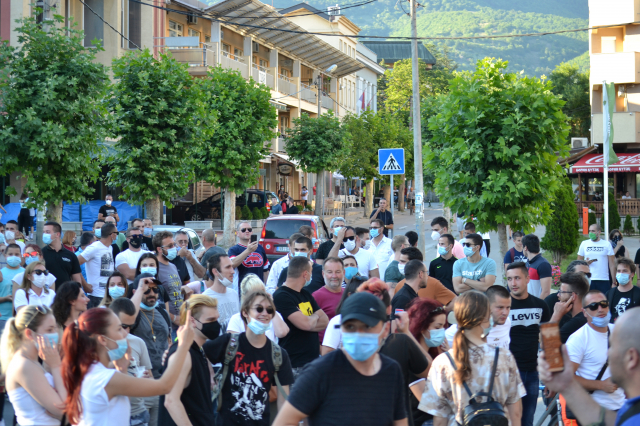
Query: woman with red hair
x=96, y=394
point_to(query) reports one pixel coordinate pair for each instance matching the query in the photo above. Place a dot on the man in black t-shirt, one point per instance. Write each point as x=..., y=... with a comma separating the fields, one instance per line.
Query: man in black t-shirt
x=351, y=386
x=302, y=315
x=334, y=227
x=384, y=215
x=62, y=263
x=527, y=312
x=567, y=312
x=147, y=242
x=416, y=278
x=626, y=295
x=108, y=210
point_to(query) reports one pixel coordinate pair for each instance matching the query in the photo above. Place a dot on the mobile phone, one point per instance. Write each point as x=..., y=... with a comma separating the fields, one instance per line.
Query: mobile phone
x=551, y=345
x=254, y=238
x=399, y=311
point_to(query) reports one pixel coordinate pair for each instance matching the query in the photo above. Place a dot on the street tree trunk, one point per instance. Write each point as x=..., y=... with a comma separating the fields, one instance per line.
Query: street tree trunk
x=229, y=225
x=368, y=206
x=504, y=244
x=319, y=192
x=386, y=193
x=154, y=210
x=54, y=212
x=401, y=194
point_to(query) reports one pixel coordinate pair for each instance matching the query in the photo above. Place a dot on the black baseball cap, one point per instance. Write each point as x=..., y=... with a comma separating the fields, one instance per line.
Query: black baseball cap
x=364, y=307
x=136, y=280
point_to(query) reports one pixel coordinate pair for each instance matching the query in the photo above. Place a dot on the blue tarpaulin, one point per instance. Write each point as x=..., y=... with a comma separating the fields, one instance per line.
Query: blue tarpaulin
x=71, y=213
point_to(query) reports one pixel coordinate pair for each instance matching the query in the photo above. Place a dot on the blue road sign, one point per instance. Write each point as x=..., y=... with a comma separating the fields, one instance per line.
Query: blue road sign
x=391, y=161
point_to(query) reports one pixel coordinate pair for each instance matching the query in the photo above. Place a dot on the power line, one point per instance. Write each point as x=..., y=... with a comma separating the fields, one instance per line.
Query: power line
x=110, y=26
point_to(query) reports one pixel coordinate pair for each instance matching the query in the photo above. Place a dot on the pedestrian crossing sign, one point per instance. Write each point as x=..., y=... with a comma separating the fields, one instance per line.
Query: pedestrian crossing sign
x=391, y=161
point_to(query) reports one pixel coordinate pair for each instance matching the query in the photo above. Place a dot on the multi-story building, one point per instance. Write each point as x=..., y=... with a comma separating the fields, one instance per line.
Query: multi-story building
x=367, y=79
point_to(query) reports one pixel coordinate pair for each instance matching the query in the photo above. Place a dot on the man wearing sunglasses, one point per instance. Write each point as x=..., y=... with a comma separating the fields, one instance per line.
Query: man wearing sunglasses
x=147, y=242
x=127, y=260
x=567, y=312
x=248, y=257
x=588, y=351
x=367, y=265
x=380, y=245
x=579, y=266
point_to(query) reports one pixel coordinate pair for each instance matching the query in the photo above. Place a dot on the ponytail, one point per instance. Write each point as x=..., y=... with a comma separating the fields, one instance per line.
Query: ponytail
x=461, y=355
x=11, y=341
x=470, y=310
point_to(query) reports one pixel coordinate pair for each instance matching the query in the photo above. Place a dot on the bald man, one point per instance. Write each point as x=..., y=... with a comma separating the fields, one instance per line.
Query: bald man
x=624, y=364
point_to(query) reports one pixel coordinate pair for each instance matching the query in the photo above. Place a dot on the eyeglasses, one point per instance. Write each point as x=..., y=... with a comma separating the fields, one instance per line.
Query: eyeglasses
x=259, y=309
x=32, y=254
x=156, y=290
x=39, y=310
x=40, y=272
x=468, y=245
x=246, y=230
x=172, y=245
x=127, y=326
x=374, y=227
x=594, y=306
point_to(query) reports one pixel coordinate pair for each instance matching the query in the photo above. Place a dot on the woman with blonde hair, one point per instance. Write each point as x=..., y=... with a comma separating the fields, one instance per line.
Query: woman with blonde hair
x=249, y=284
x=37, y=396
x=467, y=369
x=69, y=241
x=34, y=289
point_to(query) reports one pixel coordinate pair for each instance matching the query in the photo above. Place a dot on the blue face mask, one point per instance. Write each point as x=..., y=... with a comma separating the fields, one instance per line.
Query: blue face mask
x=51, y=337
x=148, y=308
x=147, y=231
x=350, y=272
x=437, y=337
x=46, y=238
x=443, y=251
x=98, y=233
x=149, y=270
x=621, y=278
x=486, y=331
x=258, y=327
x=14, y=261
x=31, y=259
x=601, y=322
x=116, y=292
x=300, y=254
x=374, y=232
x=468, y=251
x=360, y=346
x=336, y=230
x=171, y=254
x=117, y=353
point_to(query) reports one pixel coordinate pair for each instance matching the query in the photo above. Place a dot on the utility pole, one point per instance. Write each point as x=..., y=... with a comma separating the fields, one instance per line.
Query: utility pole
x=319, y=211
x=417, y=131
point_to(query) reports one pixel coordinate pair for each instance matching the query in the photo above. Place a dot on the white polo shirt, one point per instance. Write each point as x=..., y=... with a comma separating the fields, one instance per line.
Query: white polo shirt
x=45, y=298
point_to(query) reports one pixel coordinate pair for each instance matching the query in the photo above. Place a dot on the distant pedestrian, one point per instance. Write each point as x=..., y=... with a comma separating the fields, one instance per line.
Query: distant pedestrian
x=601, y=258
x=108, y=210
x=383, y=214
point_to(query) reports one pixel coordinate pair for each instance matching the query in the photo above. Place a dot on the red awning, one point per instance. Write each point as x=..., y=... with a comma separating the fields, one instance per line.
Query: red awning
x=593, y=163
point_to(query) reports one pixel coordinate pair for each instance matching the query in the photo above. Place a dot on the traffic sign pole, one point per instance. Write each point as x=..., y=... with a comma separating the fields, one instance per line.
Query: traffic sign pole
x=391, y=162
x=391, y=201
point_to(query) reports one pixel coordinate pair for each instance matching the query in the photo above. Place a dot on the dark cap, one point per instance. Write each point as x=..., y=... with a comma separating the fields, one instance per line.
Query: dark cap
x=136, y=280
x=364, y=307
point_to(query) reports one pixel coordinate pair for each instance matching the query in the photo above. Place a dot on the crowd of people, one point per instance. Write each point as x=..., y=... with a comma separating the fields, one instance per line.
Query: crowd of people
x=136, y=328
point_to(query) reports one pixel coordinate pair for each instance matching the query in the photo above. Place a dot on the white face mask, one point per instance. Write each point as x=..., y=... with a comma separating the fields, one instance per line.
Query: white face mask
x=224, y=281
x=435, y=235
x=401, y=268
x=108, y=202
x=350, y=245
x=367, y=245
x=10, y=235
x=39, y=280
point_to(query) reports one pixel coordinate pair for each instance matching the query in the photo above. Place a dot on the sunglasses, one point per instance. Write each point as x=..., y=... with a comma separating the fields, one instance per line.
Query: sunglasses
x=246, y=230
x=32, y=254
x=468, y=245
x=594, y=306
x=39, y=310
x=260, y=309
x=40, y=272
x=352, y=238
x=156, y=290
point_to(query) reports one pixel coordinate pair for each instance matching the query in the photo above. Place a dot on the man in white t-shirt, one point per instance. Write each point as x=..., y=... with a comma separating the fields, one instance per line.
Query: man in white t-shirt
x=380, y=245
x=367, y=265
x=599, y=255
x=220, y=283
x=588, y=350
x=100, y=265
x=127, y=261
x=280, y=264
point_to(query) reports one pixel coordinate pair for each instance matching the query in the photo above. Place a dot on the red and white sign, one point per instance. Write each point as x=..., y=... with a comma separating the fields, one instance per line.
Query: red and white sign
x=594, y=163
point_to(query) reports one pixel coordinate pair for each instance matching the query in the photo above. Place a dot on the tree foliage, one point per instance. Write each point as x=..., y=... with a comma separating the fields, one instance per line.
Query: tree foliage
x=628, y=225
x=162, y=121
x=614, y=216
x=592, y=215
x=53, y=111
x=573, y=86
x=561, y=230
x=494, y=147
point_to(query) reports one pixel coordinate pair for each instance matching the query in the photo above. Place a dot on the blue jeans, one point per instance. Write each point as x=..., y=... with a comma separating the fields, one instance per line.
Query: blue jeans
x=531, y=384
x=602, y=285
x=141, y=419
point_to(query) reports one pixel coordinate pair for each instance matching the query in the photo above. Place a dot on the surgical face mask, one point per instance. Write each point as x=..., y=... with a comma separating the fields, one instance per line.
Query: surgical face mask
x=367, y=245
x=51, y=337
x=435, y=235
x=224, y=281
x=31, y=259
x=600, y=322
x=360, y=346
x=306, y=283
x=374, y=232
x=211, y=330
x=147, y=231
x=108, y=202
x=46, y=238
x=149, y=270
x=148, y=308
x=593, y=236
x=437, y=337
x=116, y=292
x=350, y=245
x=442, y=251
x=117, y=353
x=350, y=272
x=486, y=331
x=336, y=230
x=401, y=267
x=98, y=233
x=14, y=261
x=39, y=280
x=10, y=235
x=258, y=327
x=468, y=251
x=621, y=278
x=171, y=253
x=300, y=254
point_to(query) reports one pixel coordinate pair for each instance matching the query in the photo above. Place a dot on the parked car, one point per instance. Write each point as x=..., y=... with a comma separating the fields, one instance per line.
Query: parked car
x=194, y=240
x=210, y=207
x=277, y=230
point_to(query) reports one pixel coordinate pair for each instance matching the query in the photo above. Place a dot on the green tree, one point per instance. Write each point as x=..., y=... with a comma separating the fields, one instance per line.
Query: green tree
x=592, y=215
x=230, y=156
x=628, y=225
x=246, y=213
x=494, y=148
x=614, y=216
x=562, y=228
x=573, y=86
x=54, y=112
x=161, y=120
x=369, y=132
x=317, y=144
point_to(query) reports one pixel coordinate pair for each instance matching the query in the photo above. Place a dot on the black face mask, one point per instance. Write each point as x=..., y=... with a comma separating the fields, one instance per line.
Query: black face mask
x=211, y=330
x=136, y=241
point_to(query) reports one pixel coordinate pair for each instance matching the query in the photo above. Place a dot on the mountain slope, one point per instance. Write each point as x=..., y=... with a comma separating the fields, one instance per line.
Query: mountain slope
x=457, y=18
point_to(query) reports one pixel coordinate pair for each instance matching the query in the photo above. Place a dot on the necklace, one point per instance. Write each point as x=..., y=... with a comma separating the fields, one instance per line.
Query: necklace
x=153, y=315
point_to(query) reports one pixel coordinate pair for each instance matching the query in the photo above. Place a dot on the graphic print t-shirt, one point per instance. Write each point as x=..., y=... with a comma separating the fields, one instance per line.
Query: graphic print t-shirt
x=245, y=392
x=100, y=266
x=620, y=301
x=597, y=250
x=228, y=305
x=526, y=316
x=170, y=279
x=255, y=263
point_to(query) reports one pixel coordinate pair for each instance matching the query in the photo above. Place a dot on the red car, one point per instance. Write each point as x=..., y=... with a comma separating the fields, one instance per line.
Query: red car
x=277, y=230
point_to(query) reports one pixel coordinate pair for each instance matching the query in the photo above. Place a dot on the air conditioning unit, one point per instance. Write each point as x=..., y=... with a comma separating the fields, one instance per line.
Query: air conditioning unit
x=333, y=10
x=192, y=19
x=256, y=47
x=579, y=143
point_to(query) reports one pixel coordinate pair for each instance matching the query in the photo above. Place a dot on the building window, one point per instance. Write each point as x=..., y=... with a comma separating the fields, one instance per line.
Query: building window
x=226, y=48
x=285, y=72
x=608, y=44
x=135, y=24
x=263, y=63
x=238, y=52
x=93, y=25
x=207, y=39
x=175, y=29
x=194, y=33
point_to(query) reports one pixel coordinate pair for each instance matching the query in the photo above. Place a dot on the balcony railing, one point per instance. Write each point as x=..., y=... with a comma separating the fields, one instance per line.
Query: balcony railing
x=625, y=207
x=626, y=125
x=307, y=93
x=228, y=60
x=328, y=103
x=286, y=86
x=621, y=67
x=262, y=75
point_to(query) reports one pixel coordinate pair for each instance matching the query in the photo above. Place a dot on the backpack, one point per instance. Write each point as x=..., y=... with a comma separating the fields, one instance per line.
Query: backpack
x=230, y=354
x=512, y=252
x=490, y=412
